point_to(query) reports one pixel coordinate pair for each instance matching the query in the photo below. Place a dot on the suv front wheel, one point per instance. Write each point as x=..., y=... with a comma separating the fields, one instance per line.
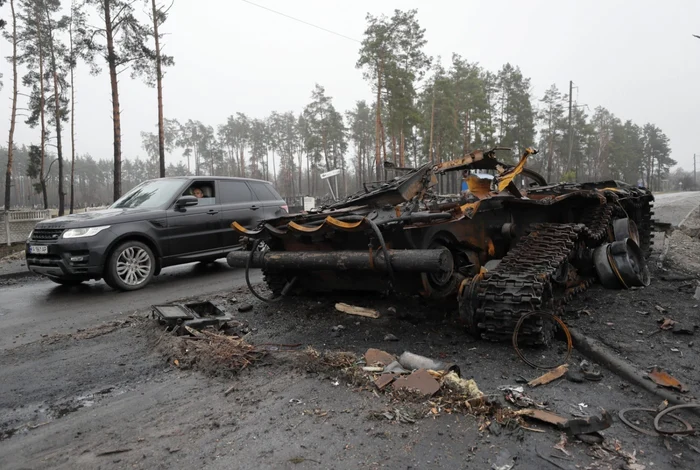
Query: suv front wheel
x=130, y=266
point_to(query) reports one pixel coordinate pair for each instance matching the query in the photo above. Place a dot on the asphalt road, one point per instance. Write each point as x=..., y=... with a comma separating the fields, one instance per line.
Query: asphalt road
x=673, y=208
x=37, y=307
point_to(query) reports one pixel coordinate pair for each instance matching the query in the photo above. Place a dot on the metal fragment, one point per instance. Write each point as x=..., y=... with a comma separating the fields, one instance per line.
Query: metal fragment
x=664, y=379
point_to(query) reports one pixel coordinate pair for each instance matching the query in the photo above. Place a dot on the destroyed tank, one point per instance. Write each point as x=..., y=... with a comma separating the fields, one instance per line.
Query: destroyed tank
x=493, y=255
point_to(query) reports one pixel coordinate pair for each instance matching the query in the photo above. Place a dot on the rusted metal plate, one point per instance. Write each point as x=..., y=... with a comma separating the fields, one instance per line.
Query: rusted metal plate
x=664, y=379
x=420, y=381
x=550, y=376
x=383, y=380
x=377, y=356
x=542, y=415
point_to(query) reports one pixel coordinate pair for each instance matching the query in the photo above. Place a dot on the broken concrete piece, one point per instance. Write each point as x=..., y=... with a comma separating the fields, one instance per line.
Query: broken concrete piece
x=384, y=380
x=414, y=361
x=664, y=379
x=354, y=310
x=696, y=296
x=245, y=308
x=550, y=376
x=377, y=356
x=390, y=337
x=465, y=387
x=420, y=381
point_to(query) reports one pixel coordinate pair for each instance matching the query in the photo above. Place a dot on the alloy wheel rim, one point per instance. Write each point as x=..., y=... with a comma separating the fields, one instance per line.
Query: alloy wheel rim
x=133, y=266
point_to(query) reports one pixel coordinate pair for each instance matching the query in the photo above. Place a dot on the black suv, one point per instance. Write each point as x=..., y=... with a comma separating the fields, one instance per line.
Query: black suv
x=159, y=223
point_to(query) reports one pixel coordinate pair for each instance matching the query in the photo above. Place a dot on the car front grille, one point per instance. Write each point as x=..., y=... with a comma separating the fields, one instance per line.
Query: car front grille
x=47, y=233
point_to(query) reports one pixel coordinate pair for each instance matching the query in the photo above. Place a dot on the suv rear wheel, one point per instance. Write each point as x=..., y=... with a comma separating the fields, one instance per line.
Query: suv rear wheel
x=130, y=266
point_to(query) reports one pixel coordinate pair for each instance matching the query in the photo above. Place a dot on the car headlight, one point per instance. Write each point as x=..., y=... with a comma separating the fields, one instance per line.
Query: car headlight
x=84, y=232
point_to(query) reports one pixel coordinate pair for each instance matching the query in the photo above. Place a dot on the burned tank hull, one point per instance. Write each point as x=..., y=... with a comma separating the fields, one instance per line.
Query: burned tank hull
x=496, y=254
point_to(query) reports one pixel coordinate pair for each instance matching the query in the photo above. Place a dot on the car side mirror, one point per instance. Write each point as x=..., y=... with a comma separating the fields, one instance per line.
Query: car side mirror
x=186, y=201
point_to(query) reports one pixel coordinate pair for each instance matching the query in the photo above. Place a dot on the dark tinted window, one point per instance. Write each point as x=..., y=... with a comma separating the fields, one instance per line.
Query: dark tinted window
x=264, y=191
x=234, y=191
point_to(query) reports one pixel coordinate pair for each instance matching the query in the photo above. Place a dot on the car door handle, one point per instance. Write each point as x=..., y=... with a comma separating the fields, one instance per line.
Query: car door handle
x=212, y=212
x=254, y=208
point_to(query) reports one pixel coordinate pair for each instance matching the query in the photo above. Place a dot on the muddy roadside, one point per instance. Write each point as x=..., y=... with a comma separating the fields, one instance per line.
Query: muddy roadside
x=118, y=396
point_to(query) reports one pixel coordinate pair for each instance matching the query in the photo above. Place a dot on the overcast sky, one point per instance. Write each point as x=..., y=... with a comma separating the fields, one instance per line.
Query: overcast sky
x=636, y=57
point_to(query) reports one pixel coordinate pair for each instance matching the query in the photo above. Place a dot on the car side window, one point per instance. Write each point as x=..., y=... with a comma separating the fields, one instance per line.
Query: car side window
x=262, y=191
x=205, y=191
x=232, y=192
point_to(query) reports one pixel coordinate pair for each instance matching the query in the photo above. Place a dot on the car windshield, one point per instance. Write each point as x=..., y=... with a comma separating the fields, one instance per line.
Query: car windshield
x=149, y=195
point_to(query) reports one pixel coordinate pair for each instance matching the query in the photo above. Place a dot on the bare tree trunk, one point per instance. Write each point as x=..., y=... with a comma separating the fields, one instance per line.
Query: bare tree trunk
x=467, y=137
x=72, y=119
x=61, y=193
x=432, y=124
x=42, y=106
x=57, y=118
x=378, y=123
x=159, y=84
x=402, y=161
x=274, y=168
x=550, y=150
x=116, y=114
x=308, y=176
x=13, y=114
x=300, y=170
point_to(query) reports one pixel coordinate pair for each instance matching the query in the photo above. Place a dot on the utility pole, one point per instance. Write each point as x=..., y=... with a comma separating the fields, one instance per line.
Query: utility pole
x=571, y=134
x=695, y=178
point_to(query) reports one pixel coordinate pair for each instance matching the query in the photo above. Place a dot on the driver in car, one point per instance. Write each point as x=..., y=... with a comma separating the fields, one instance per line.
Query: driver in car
x=197, y=192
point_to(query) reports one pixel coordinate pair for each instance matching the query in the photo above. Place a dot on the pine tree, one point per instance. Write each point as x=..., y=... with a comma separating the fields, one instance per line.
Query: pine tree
x=123, y=43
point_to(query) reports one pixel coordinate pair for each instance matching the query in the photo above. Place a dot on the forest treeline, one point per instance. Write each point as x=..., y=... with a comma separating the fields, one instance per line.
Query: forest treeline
x=423, y=109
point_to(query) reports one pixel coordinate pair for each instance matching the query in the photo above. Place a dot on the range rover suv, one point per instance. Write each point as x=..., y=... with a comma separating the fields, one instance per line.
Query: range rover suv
x=159, y=223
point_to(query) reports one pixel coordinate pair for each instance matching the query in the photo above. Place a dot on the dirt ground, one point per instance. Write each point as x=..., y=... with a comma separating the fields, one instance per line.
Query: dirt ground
x=124, y=395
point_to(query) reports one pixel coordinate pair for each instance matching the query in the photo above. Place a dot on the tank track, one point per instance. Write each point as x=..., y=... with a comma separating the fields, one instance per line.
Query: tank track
x=522, y=282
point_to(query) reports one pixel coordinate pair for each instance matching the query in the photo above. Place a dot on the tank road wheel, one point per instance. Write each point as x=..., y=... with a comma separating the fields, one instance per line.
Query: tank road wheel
x=468, y=303
x=625, y=228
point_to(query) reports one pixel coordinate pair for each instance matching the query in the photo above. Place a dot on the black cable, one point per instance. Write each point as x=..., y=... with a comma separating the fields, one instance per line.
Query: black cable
x=387, y=261
x=256, y=243
x=301, y=21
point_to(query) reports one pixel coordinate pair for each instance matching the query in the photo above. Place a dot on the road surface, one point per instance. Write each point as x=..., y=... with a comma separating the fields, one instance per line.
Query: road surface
x=39, y=307
x=673, y=208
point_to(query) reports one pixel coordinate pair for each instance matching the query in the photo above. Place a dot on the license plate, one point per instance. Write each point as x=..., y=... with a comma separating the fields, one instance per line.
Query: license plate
x=38, y=249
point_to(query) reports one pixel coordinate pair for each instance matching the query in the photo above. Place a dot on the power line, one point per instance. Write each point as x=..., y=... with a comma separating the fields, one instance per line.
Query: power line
x=302, y=21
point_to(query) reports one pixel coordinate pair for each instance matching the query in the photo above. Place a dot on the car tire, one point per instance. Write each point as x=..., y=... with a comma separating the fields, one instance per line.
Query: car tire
x=130, y=266
x=66, y=282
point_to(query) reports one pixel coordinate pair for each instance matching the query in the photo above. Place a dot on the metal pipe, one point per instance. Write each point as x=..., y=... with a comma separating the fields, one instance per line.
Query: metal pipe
x=439, y=260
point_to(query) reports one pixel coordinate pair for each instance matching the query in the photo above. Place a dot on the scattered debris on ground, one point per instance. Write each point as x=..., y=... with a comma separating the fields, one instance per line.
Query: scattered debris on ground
x=359, y=311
